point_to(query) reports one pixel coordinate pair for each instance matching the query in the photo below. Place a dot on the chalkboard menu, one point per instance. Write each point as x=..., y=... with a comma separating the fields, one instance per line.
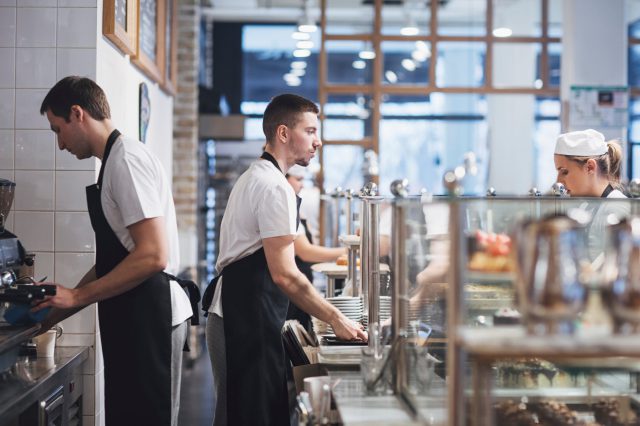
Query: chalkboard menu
x=148, y=28
x=121, y=13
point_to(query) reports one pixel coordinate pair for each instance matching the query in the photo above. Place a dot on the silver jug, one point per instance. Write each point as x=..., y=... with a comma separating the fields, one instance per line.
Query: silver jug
x=549, y=256
x=621, y=274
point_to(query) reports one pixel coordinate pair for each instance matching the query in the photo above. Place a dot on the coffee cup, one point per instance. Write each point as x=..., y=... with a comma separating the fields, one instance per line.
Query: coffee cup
x=46, y=342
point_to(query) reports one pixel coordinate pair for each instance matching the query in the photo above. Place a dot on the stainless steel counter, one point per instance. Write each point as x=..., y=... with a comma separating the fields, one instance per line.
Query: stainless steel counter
x=31, y=379
x=357, y=408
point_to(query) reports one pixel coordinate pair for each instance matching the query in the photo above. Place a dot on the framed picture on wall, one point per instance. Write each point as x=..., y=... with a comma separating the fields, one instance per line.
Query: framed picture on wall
x=120, y=24
x=150, y=56
x=171, y=46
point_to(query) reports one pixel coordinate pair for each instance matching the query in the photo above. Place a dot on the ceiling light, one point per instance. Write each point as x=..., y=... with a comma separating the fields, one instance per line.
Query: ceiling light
x=420, y=55
x=391, y=76
x=408, y=64
x=301, y=53
x=304, y=44
x=299, y=72
x=294, y=83
x=306, y=24
x=359, y=64
x=308, y=27
x=423, y=46
x=367, y=54
x=298, y=65
x=502, y=32
x=537, y=84
x=297, y=35
x=410, y=28
x=292, y=80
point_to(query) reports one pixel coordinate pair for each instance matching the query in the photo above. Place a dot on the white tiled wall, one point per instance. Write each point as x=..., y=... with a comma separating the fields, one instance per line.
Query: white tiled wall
x=42, y=41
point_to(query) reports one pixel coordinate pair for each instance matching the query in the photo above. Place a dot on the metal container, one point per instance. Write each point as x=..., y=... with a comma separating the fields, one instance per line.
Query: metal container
x=7, y=190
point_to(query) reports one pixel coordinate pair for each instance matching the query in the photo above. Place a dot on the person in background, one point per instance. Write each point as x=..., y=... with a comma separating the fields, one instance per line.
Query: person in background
x=306, y=251
x=257, y=275
x=590, y=167
x=142, y=313
x=587, y=165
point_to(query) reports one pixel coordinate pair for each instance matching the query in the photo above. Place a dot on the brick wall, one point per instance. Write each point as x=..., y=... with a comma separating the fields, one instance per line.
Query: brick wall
x=185, y=130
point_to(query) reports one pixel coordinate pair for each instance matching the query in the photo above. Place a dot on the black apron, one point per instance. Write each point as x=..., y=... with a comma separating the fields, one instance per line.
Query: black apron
x=254, y=310
x=135, y=328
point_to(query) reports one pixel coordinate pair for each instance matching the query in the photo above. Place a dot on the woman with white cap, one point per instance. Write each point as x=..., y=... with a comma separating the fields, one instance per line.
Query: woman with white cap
x=587, y=165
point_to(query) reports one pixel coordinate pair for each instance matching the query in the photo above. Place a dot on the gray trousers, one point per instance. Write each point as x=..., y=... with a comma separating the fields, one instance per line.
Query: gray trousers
x=178, y=337
x=218, y=354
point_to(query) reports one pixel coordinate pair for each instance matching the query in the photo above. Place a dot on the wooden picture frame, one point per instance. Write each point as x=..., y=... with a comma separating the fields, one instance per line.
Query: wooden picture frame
x=170, y=83
x=150, y=52
x=120, y=24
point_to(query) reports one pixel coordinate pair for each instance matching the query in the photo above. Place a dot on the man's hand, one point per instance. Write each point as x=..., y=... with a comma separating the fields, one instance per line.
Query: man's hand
x=65, y=298
x=345, y=329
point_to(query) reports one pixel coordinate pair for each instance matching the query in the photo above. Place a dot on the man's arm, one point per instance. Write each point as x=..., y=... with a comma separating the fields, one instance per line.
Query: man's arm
x=313, y=253
x=147, y=258
x=279, y=252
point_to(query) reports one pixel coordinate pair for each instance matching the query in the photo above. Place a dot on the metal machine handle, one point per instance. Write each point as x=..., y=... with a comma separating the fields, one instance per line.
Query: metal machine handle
x=48, y=406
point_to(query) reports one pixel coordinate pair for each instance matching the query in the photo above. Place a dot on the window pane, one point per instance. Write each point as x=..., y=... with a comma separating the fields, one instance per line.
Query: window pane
x=555, y=61
x=635, y=161
x=460, y=64
x=634, y=65
x=555, y=18
x=347, y=63
x=515, y=65
x=347, y=117
x=520, y=17
x=466, y=18
x=267, y=57
x=406, y=62
x=342, y=166
x=545, y=136
x=411, y=18
x=346, y=18
x=632, y=14
x=634, y=131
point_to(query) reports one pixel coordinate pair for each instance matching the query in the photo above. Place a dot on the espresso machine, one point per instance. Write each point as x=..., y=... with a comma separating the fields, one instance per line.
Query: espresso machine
x=17, y=286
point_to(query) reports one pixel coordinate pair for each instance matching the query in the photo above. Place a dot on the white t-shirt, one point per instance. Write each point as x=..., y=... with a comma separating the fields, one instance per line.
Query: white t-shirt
x=135, y=187
x=262, y=205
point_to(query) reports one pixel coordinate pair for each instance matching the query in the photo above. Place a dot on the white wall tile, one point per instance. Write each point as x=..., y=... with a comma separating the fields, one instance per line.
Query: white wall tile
x=7, y=66
x=35, y=230
x=77, y=3
x=7, y=174
x=70, y=190
x=35, y=150
x=6, y=149
x=37, y=3
x=74, y=232
x=34, y=190
x=90, y=394
x=80, y=62
x=28, y=103
x=7, y=107
x=8, y=27
x=44, y=266
x=71, y=267
x=67, y=161
x=7, y=2
x=8, y=223
x=36, y=27
x=77, y=27
x=76, y=339
x=95, y=362
x=33, y=67
x=81, y=322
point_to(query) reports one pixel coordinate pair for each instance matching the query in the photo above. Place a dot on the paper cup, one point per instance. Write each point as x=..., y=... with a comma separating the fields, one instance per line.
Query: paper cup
x=46, y=342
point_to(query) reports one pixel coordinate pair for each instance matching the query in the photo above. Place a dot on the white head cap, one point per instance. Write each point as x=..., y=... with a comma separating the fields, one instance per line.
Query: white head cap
x=583, y=143
x=297, y=171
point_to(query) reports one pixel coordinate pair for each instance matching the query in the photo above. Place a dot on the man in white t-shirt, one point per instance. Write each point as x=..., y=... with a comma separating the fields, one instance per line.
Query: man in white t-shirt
x=257, y=275
x=142, y=312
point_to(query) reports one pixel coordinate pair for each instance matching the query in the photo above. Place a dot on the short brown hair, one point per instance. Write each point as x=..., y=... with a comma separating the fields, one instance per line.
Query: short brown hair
x=285, y=109
x=74, y=90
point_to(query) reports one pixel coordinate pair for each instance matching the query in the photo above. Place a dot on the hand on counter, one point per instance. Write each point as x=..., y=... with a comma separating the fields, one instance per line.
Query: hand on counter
x=345, y=329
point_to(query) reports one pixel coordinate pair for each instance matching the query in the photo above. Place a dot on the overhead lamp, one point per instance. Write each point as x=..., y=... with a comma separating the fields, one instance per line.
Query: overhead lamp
x=359, y=64
x=292, y=80
x=423, y=46
x=301, y=53
x=298, y=65
x=410, y=28
x=367, y=52
x=538, y=83
x=391, y=76
x=304, y=44
x=408, y=64
x=298, y=72
x=297, y=35
x=502, y=32
x=420, y=55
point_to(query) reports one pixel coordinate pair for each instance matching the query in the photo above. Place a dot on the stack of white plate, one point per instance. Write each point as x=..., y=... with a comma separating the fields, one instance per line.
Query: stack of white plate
x=385, y=308
x=351, y=307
